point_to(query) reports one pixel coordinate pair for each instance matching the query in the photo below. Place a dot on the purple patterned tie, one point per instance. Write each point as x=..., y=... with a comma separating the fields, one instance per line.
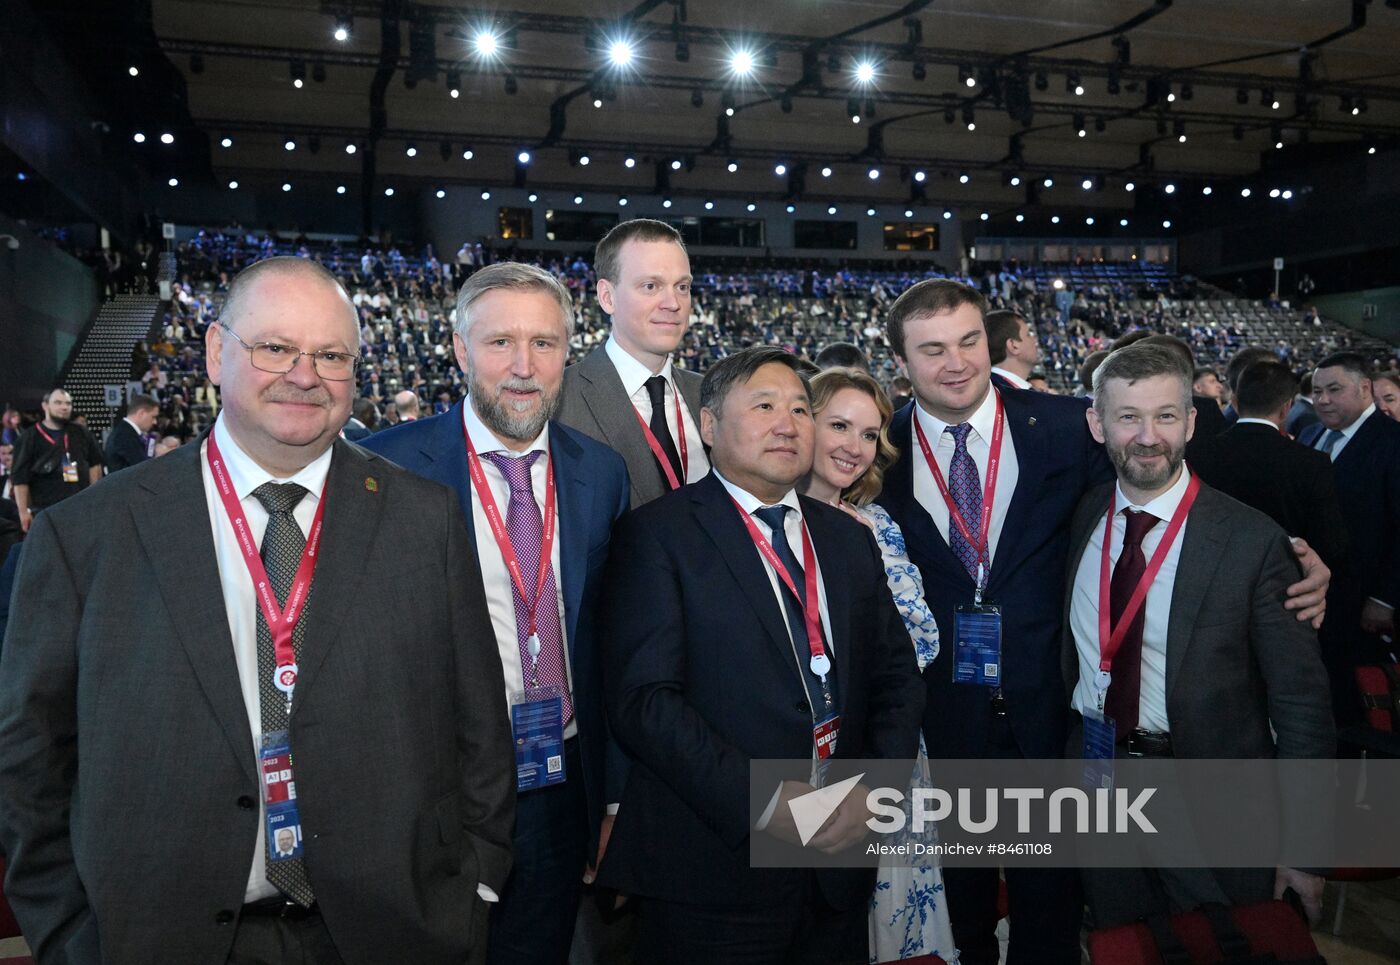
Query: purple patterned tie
x=966, y=487
x=526, y=530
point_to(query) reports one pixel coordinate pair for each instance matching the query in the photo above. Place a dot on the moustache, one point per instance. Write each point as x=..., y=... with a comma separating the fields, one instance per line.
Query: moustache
x=318, y=396
x=1148, y=450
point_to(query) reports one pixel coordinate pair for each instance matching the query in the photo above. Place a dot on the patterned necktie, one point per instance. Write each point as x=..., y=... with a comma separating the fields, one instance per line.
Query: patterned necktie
x=966, y=486
x=656, y=391
x=1125, y=689
x=282, y=546
x=1329, y=441
x=773, y=517
x=526, y=529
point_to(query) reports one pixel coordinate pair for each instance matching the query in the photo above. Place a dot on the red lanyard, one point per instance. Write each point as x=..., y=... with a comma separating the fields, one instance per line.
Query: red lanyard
x=1109, y=642
x=51, y=440
x=989, y=495
x=811, y=606
x=660, y=453
x=280, y=621
x=498, y=530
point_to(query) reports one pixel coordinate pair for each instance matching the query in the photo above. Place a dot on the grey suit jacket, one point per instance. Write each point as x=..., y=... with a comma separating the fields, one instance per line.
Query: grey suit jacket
x=596, y=404
x=1236, y=659
x=128, y=779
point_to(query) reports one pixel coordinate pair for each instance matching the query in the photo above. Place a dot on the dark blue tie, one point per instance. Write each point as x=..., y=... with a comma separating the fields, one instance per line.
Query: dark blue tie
x=772, y=517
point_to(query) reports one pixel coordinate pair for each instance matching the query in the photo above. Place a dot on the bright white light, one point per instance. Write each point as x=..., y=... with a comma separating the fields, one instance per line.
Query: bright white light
x=732, y=166
x=173, y=182
x=947, y=215
x=286, y=185
x=340, y=189
x=487, y=43
x=291, y=145
x=1275, y=193
x=1371, y=150
x=620, y=53
x=351, y=148
x=741, y=63
x=1015, y=180
x=578, y=199
x=233, y=185
x=167, y=138
x=298, y=83
x=1122, y=222
x=675, y=165
x=468, y=154
x=1171, y=98
x=920, y=176
x=1287, y=195
x=908, y=212
x=1207, y=190
x=1082, y=132
x=1244, y=192
x=790, y=208
x=865, y=72
x=226, y=142
x=1078, y=90
x=523, y=157
x=1054, y=219
x=584, y=160
x=855, y=118
x=709, y=206
x=630, y=162
x=486, y=196
x=870, y=212
x=454, y=93
x=963, y=179
x=729, y=112
x=1059, y=283
x=831, y=210
x=780, y=169
x=441, y=194
x=1166, y=224
x=1278, y=145
x=341, y=34
x=532, y=197
x=972, y=125
x=1274, y=105
x=826, y=172
x=622, y=202
x=1089, y=220
x=1087, y=184
x=132, y=71
x=873, y=174
x=971, y=81
x=1181, y=139
x=139, y=138
x=1170, y=189
x=1020, y=218
x=752, y=207
x=597, y=102
x=388, y=192
x=984, y=216
x=666, y=203
x=1130, y=186
x=1048, y=182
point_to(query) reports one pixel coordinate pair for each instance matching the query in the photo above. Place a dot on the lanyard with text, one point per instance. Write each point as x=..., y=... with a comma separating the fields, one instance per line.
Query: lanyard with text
x=51, y=440
x=281, y=621
x=660, y=453
x=498, y=530
x=1111, y=637
x=810, y=600
x=989, y=494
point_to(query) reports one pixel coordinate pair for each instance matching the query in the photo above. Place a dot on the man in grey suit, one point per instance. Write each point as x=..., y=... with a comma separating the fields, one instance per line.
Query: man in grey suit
x=627, y=393
x=1210, y=659
x=189, y=634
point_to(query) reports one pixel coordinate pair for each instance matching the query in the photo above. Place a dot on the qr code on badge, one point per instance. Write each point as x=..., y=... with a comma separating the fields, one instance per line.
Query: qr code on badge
x=554, y=764
x=989, y=669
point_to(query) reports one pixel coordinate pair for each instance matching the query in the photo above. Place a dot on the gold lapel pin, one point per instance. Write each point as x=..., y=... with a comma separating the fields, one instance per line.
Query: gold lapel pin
x=1030, y=421
x=371, y=485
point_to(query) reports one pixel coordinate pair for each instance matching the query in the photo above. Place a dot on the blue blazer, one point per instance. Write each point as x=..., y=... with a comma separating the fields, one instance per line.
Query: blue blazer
x=592, y=492
x=1057, y=461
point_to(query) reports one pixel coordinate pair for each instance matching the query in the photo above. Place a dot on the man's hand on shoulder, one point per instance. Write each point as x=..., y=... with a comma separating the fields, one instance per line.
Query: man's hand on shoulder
x=1309, y=595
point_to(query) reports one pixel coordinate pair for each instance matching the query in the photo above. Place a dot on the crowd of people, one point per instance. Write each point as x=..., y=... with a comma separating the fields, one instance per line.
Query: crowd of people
x=633, y=527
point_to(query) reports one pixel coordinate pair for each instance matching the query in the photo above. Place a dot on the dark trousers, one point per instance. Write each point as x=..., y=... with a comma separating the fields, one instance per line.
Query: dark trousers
x=533, y=924
x=799, y=929
x=1044, y=904
x=264, y=940
x=1121, y=896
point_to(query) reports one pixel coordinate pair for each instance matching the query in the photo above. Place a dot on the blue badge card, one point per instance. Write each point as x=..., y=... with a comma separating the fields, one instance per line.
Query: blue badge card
x=537, y=724
x=282, y=823
x=977, y=652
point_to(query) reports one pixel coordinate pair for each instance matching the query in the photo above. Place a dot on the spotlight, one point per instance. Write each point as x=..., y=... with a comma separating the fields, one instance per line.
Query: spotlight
x=1122, y=222
x=1042, y=82
x=873, y=174
x=411, y=150
x=340, y=189
x=908, y=212
x=921, y=176
x=486, y=42
x=984, y=216
x=1166, y=224
x=709, y=206
x=1287, y=195
x=741, y=63
x=790, y=208
x=597, y=102
x=1087, y=184
x=1073, y=86
x=1130, y=186
x=578, y=199
x=676, y=165
x=523, y=157
x=226, y=142
x=318, y=72
x=1020, y=218
x=286, y=186
x=133, y=71
x=785, y=103
x=629, y=162
x=1244, y=192
x=486, y=196
x=826, y=172
x=964, y=178
x=1048, y=182
x=454, y=84
x=1055, y=219
x=870, y=212
x=620, y=53
x=966, y=77
x=441, y=194
x=468, y=154
x=831, y=209
x=290, y=145
x=532, y=197
x=751, y=207
x=780, y=169
x=233, y=185
x=1275, y=193
x=622, y=202
x=388, y=192
x=173, y=182
x=732, y=167
x=139, y=138
x=1206, y=190
x=344, y=26
x=1170, y=189
x=865, y=72
x=947, y=215
x=584, y=160
x=968, y=119
x=298, y=70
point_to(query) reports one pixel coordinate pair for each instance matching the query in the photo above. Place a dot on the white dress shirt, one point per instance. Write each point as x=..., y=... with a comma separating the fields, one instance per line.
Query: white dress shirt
x=1248, y=420
x=1011, y=377
x=1084, y=605
x=240, y=603
x=1347, y=433
x=979, y=447
x=634, y=377
x=500, y=598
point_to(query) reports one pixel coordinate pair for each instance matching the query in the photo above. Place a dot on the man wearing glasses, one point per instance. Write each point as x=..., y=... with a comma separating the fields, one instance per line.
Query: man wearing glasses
x=229, y=639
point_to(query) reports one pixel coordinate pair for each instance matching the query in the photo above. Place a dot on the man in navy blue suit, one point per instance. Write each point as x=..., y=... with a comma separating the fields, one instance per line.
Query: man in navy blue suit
x=541, y=500
x=1364, y=447
x=985, y=539
x=718, y=651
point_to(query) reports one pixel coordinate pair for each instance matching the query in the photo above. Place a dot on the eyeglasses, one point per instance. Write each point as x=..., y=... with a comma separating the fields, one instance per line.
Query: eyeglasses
x=281, y=359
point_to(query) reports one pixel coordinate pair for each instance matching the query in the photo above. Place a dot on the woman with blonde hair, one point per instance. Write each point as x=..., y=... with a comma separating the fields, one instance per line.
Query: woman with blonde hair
x=908, y=915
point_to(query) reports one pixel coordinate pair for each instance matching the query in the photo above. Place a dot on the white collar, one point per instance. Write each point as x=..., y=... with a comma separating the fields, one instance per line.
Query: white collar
x=1350, y=430
x=1243, y=420
x=633, y=374
x=484, y=440
x=1011, y=377
x=133, y=425
x=748, y=502
x=983, y=421
x=1164, y=506
x=246, y=475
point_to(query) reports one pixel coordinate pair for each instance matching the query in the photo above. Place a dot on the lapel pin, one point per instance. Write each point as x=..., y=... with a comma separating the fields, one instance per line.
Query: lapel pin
x=1030, y=421
x=371, y=485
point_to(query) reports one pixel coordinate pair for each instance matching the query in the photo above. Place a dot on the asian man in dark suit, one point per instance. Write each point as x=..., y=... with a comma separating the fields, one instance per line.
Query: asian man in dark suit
x=1211, y=665
x=126, y=444
x=1254, y=462
x=1364, y=447
x=513, y=326
x=138, y=678
x=628, y=392
x=709, y=665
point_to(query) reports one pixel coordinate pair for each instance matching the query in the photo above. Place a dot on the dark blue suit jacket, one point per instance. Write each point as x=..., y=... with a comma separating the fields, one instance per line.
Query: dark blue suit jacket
x=1057, y=461
x=592, y=492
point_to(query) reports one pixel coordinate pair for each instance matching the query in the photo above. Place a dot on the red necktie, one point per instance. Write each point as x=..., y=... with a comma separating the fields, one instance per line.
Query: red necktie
x=1123, y=693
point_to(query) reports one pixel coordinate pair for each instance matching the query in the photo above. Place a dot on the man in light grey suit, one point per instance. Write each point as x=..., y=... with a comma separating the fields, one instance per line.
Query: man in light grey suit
x=148, y=675
x=1211, y=659
x=627, y=393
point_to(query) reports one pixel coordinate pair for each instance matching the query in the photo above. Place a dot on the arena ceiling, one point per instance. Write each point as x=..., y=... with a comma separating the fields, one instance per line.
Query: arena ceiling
x=1188, y=90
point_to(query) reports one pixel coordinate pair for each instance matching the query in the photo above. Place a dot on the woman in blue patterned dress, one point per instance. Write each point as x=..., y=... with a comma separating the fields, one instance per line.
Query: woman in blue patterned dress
x=908, y=916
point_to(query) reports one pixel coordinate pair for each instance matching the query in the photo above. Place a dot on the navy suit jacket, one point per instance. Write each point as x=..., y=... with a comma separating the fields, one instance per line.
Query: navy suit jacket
x=1057, y=461
x=592, y=492
x=124, y=448
x=1368, y=488
x=702, y=678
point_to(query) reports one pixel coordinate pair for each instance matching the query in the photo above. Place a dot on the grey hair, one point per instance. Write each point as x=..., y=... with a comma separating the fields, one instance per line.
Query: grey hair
x=516, y=276
x=1142, y=360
